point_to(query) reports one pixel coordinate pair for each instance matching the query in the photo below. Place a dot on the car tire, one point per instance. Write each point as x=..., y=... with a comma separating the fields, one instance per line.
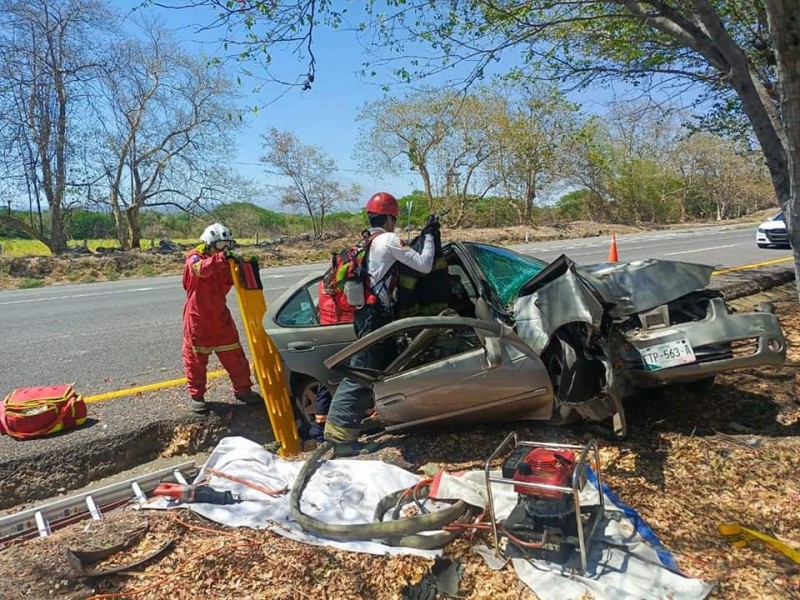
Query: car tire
x=701, y=386
x=305, y=394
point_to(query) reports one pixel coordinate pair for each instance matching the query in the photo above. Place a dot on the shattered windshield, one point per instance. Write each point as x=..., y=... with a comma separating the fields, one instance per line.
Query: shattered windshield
x=505, y=270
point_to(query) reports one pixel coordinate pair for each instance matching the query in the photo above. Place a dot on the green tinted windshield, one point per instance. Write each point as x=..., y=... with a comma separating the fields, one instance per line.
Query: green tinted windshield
x=505, y=270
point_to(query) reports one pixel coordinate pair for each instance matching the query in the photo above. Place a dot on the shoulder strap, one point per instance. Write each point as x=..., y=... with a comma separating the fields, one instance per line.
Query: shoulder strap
x=388, y=275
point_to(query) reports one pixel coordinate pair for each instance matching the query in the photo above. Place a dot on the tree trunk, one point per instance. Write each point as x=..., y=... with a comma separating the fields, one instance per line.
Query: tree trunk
x=314, y=225
x=426, y=180
x=36, y=234
x=784, y=27
x=134, y=229
x=58, y=239
x=530, y=196
x=119, y=222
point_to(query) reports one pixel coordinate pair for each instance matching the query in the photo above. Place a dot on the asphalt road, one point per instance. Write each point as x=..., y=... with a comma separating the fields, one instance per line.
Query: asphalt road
x=112, y=335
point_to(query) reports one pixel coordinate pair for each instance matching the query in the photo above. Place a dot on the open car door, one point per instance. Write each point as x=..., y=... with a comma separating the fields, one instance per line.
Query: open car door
x=452, y=369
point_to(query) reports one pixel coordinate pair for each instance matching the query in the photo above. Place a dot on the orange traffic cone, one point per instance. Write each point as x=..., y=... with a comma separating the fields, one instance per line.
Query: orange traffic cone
x=612, y=251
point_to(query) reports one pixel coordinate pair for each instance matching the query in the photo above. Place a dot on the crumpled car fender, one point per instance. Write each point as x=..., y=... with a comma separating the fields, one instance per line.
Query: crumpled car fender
x=565, y=299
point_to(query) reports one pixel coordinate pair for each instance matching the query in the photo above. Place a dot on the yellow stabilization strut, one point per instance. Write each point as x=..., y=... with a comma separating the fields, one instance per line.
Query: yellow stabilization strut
x=266, y=359
x=738, y=536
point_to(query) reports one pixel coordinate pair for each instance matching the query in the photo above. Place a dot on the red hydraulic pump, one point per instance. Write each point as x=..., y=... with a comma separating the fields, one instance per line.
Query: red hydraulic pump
x=544, y=466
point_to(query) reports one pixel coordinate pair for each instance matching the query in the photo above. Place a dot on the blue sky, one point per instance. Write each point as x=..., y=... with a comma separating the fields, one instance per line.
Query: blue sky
x=324, y=116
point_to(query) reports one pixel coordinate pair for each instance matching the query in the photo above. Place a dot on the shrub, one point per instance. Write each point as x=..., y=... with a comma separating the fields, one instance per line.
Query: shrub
x=31, y=282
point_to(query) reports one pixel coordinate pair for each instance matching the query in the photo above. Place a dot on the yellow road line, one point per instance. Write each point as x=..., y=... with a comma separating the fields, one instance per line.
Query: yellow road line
x=213, y=374
x=753, y=265
x=152, y=387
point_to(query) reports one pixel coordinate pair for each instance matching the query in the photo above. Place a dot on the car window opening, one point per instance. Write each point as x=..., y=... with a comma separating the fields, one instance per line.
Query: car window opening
x=425, y=346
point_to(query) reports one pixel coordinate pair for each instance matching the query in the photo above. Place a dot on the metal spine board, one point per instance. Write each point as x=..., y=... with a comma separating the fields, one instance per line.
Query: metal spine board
x=25, y=521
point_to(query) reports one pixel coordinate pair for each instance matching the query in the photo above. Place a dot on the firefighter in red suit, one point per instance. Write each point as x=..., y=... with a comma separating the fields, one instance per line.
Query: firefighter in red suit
x=207, y=323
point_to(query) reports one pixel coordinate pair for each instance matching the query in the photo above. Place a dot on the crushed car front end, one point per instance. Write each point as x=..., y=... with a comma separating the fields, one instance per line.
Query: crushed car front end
x=606, y=330
x=719, y=341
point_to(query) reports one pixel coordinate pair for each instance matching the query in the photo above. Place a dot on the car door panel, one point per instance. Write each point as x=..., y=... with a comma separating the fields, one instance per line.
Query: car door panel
x=307, y=355
x=462, y=387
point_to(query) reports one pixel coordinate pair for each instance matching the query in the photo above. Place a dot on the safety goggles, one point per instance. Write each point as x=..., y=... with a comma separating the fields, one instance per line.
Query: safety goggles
x=223, y=244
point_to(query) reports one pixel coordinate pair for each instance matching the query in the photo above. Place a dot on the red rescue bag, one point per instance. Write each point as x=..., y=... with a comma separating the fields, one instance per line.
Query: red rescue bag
x=38, y=411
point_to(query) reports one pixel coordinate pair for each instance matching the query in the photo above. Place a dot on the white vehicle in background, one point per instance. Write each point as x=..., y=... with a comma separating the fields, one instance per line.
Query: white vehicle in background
x=773, y=233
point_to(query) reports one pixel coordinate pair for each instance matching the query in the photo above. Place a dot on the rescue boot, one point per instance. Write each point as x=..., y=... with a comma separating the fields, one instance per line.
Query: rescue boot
x=198, y=405
x=249, y=397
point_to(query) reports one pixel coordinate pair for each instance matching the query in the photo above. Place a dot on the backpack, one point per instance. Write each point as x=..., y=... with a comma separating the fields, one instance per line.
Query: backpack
x=37, y=411
x=346, y=278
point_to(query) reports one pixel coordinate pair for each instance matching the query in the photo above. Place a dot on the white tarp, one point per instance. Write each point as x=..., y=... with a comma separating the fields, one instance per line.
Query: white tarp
x=341, y=491
x=626, y=560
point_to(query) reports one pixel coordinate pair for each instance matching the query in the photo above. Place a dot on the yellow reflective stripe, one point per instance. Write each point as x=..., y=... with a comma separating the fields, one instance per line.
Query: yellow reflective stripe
x=196, y=268
x=407, y=281
x=337, y=433
x=411, y=311
x=432, y=309
x=210, y=349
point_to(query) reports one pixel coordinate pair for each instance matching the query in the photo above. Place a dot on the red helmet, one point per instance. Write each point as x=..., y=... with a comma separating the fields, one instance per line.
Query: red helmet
x=383, y=203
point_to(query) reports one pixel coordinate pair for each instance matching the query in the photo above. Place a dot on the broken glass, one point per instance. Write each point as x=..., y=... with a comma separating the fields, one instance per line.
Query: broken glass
x=505, y=271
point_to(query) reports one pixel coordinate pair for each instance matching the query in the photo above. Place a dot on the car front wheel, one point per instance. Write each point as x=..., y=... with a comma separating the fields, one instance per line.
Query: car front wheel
x=305, y=396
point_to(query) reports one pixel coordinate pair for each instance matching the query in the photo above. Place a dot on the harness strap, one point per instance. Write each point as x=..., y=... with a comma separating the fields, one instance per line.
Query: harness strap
x=373, y=296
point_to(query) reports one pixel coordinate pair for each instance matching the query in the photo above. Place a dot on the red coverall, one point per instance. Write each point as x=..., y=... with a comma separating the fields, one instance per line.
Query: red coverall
x=207, y=323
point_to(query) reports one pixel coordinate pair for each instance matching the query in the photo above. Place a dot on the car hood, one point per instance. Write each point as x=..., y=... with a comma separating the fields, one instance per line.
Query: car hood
x=773, y=225
x=565, y=292
x=629, y=287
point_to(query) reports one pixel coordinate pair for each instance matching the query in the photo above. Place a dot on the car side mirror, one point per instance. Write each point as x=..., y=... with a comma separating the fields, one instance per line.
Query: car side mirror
x=494, y=351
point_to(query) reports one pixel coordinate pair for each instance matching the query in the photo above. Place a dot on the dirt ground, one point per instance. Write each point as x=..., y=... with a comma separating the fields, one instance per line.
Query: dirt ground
x=36, y=271
x=691, y=462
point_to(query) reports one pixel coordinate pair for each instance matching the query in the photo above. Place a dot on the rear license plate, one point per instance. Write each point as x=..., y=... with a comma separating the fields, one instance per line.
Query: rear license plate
x=669, y=354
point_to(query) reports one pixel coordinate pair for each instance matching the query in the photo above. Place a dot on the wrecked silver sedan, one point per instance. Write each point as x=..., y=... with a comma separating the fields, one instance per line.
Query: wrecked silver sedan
x=524, y=340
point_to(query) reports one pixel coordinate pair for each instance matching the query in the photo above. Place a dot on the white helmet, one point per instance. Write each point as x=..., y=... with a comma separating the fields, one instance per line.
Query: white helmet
x=217, y=233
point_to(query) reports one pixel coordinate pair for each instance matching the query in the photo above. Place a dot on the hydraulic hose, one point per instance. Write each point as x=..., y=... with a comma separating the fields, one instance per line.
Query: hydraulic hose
x=430, y=540
x=399, y=532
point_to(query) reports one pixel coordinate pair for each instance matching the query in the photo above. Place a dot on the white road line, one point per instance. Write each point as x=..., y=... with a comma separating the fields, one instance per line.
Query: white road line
x=701, y=249
x=116, y=292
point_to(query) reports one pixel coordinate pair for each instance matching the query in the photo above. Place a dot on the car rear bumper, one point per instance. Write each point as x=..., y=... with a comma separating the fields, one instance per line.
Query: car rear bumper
x=721, y=342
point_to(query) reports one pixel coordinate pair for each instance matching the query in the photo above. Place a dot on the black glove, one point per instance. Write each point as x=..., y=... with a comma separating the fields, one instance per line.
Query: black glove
x=432, y=226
